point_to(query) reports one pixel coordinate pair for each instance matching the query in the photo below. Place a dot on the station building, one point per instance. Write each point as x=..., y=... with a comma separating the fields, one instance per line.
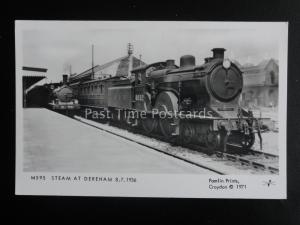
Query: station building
x=260, y=84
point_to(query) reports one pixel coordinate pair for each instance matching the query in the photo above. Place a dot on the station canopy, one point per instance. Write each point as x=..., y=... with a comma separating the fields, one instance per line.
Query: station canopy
x=32, y=75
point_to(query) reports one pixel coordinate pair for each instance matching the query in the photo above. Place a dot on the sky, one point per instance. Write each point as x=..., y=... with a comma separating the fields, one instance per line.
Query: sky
x=56, y=45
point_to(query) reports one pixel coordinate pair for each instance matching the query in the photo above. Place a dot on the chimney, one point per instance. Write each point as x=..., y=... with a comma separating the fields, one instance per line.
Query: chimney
x=218, y=53
x=65, y=78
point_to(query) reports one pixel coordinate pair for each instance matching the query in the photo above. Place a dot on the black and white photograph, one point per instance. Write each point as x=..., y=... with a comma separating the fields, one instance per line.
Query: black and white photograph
x=151, y=109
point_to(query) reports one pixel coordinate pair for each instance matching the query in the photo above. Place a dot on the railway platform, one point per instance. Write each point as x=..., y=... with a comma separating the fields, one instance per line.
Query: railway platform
x=56, y=143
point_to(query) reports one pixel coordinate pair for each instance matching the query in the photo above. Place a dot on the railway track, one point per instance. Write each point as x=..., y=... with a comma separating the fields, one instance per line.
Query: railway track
x=257, y=159
x=254, y=162
x=253, y=159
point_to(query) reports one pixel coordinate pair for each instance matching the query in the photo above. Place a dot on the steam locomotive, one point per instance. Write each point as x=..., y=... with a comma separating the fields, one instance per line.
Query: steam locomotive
x=192, y=104
x=63, y=97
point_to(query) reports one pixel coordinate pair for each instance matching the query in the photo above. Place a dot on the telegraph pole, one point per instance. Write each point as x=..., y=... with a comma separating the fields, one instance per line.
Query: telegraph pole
x=92, y=61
